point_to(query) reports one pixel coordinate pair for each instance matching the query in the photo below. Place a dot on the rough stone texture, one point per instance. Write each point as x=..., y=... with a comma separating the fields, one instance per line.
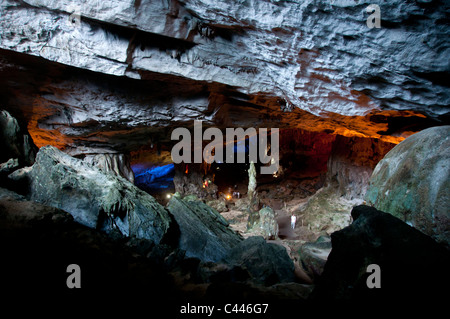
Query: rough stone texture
x=349, y=167
x=165, y=63
x=15, y=142
x=9, y=166
x=204, y=233
x=266, y=224
x=413, y=266
x=218, y=204
x=251, y=191
x=96, y=199
x=188, y=180
x=313, y=256
x=294, y=45
x=118, y=164
x=412, y=182
x=351, y=163
x=266, y=262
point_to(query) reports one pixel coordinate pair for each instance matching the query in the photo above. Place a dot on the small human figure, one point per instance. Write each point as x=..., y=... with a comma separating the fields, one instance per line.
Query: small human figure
x=293, y=220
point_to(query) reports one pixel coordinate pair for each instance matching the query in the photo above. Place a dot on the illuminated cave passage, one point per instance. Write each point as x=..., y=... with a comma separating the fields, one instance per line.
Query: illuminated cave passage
x=156, y=180
x=308, y=161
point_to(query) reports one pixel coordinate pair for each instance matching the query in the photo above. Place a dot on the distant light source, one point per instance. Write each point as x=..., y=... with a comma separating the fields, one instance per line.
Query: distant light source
x=228, y=196
x=168, y=196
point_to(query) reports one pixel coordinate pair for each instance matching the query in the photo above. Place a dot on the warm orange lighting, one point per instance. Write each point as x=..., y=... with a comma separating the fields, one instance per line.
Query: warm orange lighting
x=228, y=197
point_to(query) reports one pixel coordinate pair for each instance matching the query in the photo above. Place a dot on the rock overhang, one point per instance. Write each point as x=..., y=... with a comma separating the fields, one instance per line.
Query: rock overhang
x=122, y=72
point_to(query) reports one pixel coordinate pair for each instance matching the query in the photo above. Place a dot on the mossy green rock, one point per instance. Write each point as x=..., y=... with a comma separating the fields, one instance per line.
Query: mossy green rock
x=412, y=182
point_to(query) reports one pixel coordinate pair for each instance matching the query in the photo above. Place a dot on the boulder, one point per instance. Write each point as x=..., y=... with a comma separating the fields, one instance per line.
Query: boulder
x=412, y=182
x=218, y=204
x=266, y=224
x=413, y=267
x=15, y=142
x=267, y=263
x=313, y=256
x=204, y=233
x=95, y=198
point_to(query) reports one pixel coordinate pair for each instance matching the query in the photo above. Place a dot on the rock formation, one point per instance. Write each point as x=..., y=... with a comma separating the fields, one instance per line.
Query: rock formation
x=109, y=77
x=413, y=266
x=268, y=263
x=203, y=232
x=15, y=142
x=412, y=182
x=95, y=198
x=251, y=192
x=117, y=164
x=313, y=256
x=349, y=167
x=265, y=223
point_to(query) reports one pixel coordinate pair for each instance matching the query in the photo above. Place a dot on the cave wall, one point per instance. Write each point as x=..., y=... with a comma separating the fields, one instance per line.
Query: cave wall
x=351, y=163
x=305, y=151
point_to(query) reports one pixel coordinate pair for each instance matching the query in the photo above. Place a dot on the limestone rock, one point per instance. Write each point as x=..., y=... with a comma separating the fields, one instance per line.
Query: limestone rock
x=118, y=164
x=349, y=168
x=266, y=224
x=413, y=266
x=204, y=233
x=251, y=192
x=267, y=263
x=412, y=182
x=218, y=204
x=7, y=167
x=304, y=52
x=313, y=256
x=219, y=272
x=14, y=141
x=95, y=198
x=8, y=194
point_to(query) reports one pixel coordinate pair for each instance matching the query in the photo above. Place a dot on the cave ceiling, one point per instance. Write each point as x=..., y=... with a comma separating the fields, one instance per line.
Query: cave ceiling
x=113, y=76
